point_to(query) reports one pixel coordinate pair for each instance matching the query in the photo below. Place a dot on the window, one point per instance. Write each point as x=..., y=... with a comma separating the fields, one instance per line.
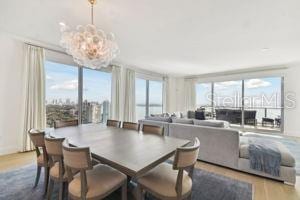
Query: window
x=61, y=92
x=67, y=98
x=262, y=107
x=155, y=97
x=140, y=98
x=149, y=98
x=96, y=95
x=263, y=98
x=204, y=98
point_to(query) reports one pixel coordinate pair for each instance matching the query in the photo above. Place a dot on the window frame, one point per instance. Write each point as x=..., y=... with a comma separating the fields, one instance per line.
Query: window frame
x=242, y=127
x=80, y=82
x=147, y=90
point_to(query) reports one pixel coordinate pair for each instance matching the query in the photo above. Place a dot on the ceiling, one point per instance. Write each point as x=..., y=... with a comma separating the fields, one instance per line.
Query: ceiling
x=173, y=36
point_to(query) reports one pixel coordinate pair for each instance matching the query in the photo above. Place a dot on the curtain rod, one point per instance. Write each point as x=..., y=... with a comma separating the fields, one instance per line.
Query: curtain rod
x=47, y=48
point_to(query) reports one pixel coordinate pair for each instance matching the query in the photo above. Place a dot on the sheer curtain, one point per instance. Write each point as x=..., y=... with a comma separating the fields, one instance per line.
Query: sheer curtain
x=129, y=98
x=116, y=93
x=34, y=93
x=190, y=94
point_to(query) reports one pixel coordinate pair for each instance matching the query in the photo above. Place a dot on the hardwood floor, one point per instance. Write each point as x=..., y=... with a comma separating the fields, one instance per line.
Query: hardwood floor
x=264, y=189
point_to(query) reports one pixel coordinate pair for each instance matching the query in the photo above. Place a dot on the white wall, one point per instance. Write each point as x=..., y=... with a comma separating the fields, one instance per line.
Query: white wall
x=11, y=59
x=292, y=85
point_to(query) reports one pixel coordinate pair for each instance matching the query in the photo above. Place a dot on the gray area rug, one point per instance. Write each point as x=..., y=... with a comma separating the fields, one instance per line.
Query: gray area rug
x=292, y=145
x=17, y=185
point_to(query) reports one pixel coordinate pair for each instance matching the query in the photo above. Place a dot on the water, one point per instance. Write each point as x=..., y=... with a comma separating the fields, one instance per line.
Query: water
x=141, y=111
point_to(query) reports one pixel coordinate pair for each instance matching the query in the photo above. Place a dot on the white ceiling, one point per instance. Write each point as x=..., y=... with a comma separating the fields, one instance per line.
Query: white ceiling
x=179, y=37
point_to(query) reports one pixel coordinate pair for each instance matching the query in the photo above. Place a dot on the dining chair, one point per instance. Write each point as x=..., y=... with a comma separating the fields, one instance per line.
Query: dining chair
x=57, y=169
x=37, y=138
x=61, y=123
x=153, y=129
x=114, y=123
x=168, y=181
x=131, y=126
x=92, y=182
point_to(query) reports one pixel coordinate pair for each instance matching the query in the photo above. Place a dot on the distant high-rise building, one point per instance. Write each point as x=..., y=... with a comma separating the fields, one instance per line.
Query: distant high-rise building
x=68, y=101
x=106, y=110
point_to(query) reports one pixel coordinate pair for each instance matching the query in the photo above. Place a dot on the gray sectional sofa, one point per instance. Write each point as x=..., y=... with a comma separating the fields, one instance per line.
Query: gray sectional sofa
x=224, y=146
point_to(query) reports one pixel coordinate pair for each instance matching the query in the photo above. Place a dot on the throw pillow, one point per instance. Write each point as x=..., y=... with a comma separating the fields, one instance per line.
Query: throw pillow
x=200, y=115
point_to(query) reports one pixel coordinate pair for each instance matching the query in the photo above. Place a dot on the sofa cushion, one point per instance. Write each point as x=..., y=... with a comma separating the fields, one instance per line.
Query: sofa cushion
x=200, y=115
x=191, y=114
x=211, y=123
x=182, y=121
x=160, y=119
x=286, y=157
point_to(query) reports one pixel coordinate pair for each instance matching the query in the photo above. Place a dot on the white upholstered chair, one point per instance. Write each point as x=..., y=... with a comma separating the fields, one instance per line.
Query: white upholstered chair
x=171, y=181
x=93, y=182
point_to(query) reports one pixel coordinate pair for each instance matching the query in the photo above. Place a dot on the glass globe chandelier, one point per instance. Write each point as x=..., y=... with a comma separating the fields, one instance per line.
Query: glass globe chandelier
x=89, y=46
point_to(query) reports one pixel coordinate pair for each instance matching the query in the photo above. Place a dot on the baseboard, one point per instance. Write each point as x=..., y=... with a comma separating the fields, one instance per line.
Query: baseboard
x=8, y=150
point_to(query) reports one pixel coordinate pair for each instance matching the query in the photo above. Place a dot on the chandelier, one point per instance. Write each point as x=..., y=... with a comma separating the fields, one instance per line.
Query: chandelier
x=89, y=46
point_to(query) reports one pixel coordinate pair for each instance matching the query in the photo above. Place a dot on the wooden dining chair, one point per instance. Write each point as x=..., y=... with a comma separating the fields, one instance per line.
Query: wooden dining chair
x=37, y=138
x=61, y=123
x=171, y=182
x=114, y=123
x=131, y=126
x=153, y=129
x=57, y=169
x=92, y=182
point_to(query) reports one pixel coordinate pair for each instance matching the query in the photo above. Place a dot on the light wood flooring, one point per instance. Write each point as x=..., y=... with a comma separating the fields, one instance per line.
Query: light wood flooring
x=264, y=189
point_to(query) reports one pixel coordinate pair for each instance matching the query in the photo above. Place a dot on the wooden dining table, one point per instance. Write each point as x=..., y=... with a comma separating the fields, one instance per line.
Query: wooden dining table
x=129, y=151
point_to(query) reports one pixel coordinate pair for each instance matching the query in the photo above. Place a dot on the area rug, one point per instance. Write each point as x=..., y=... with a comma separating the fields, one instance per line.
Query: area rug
x=17, y=185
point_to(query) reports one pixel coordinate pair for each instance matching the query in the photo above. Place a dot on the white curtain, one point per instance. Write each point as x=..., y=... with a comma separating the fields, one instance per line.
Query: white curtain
x=129, y=98
x=34, y=93
x=190, y=94
x=116, y=93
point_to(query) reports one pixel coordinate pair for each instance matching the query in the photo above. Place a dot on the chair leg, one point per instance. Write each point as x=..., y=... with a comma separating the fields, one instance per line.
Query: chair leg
x=38, y=174
x=61, y=188
x=50, y=189
x=139, y=190
x=124, y=191
x=46, y=179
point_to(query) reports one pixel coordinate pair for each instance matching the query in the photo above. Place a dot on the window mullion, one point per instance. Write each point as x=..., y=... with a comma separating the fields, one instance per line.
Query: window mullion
x=80, y=86
x=147, y=98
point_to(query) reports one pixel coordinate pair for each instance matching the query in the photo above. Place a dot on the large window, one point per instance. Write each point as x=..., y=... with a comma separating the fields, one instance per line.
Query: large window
x=149, y=98
x=261, y=109
x=61, y=92
x=140, y=98
x=69, y=98
x=155, y=97
x=96, y=96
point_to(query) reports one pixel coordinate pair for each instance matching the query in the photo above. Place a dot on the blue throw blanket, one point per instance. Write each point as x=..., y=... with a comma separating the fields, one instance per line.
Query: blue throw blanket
x=264, y=156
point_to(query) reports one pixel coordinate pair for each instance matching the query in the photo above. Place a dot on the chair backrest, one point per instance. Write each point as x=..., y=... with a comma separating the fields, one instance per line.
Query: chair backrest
x=186, y=156
x=114, y=123
x=77, y=158
x=54, y=146
x=153, y=129
x=131, y=126
x=61, y=123
x=37, y=137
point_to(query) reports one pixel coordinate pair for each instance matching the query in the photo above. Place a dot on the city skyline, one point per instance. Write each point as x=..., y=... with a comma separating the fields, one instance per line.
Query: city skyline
x=62, y=83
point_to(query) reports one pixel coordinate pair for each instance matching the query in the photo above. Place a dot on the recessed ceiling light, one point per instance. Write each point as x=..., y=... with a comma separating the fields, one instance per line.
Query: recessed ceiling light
x=265, y=49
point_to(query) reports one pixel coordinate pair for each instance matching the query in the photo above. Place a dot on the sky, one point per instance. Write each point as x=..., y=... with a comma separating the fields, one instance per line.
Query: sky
x=62, y=83
x=254, y=90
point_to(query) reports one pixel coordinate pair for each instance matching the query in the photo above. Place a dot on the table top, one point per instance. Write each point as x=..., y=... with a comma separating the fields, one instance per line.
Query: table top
x=129, y=151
